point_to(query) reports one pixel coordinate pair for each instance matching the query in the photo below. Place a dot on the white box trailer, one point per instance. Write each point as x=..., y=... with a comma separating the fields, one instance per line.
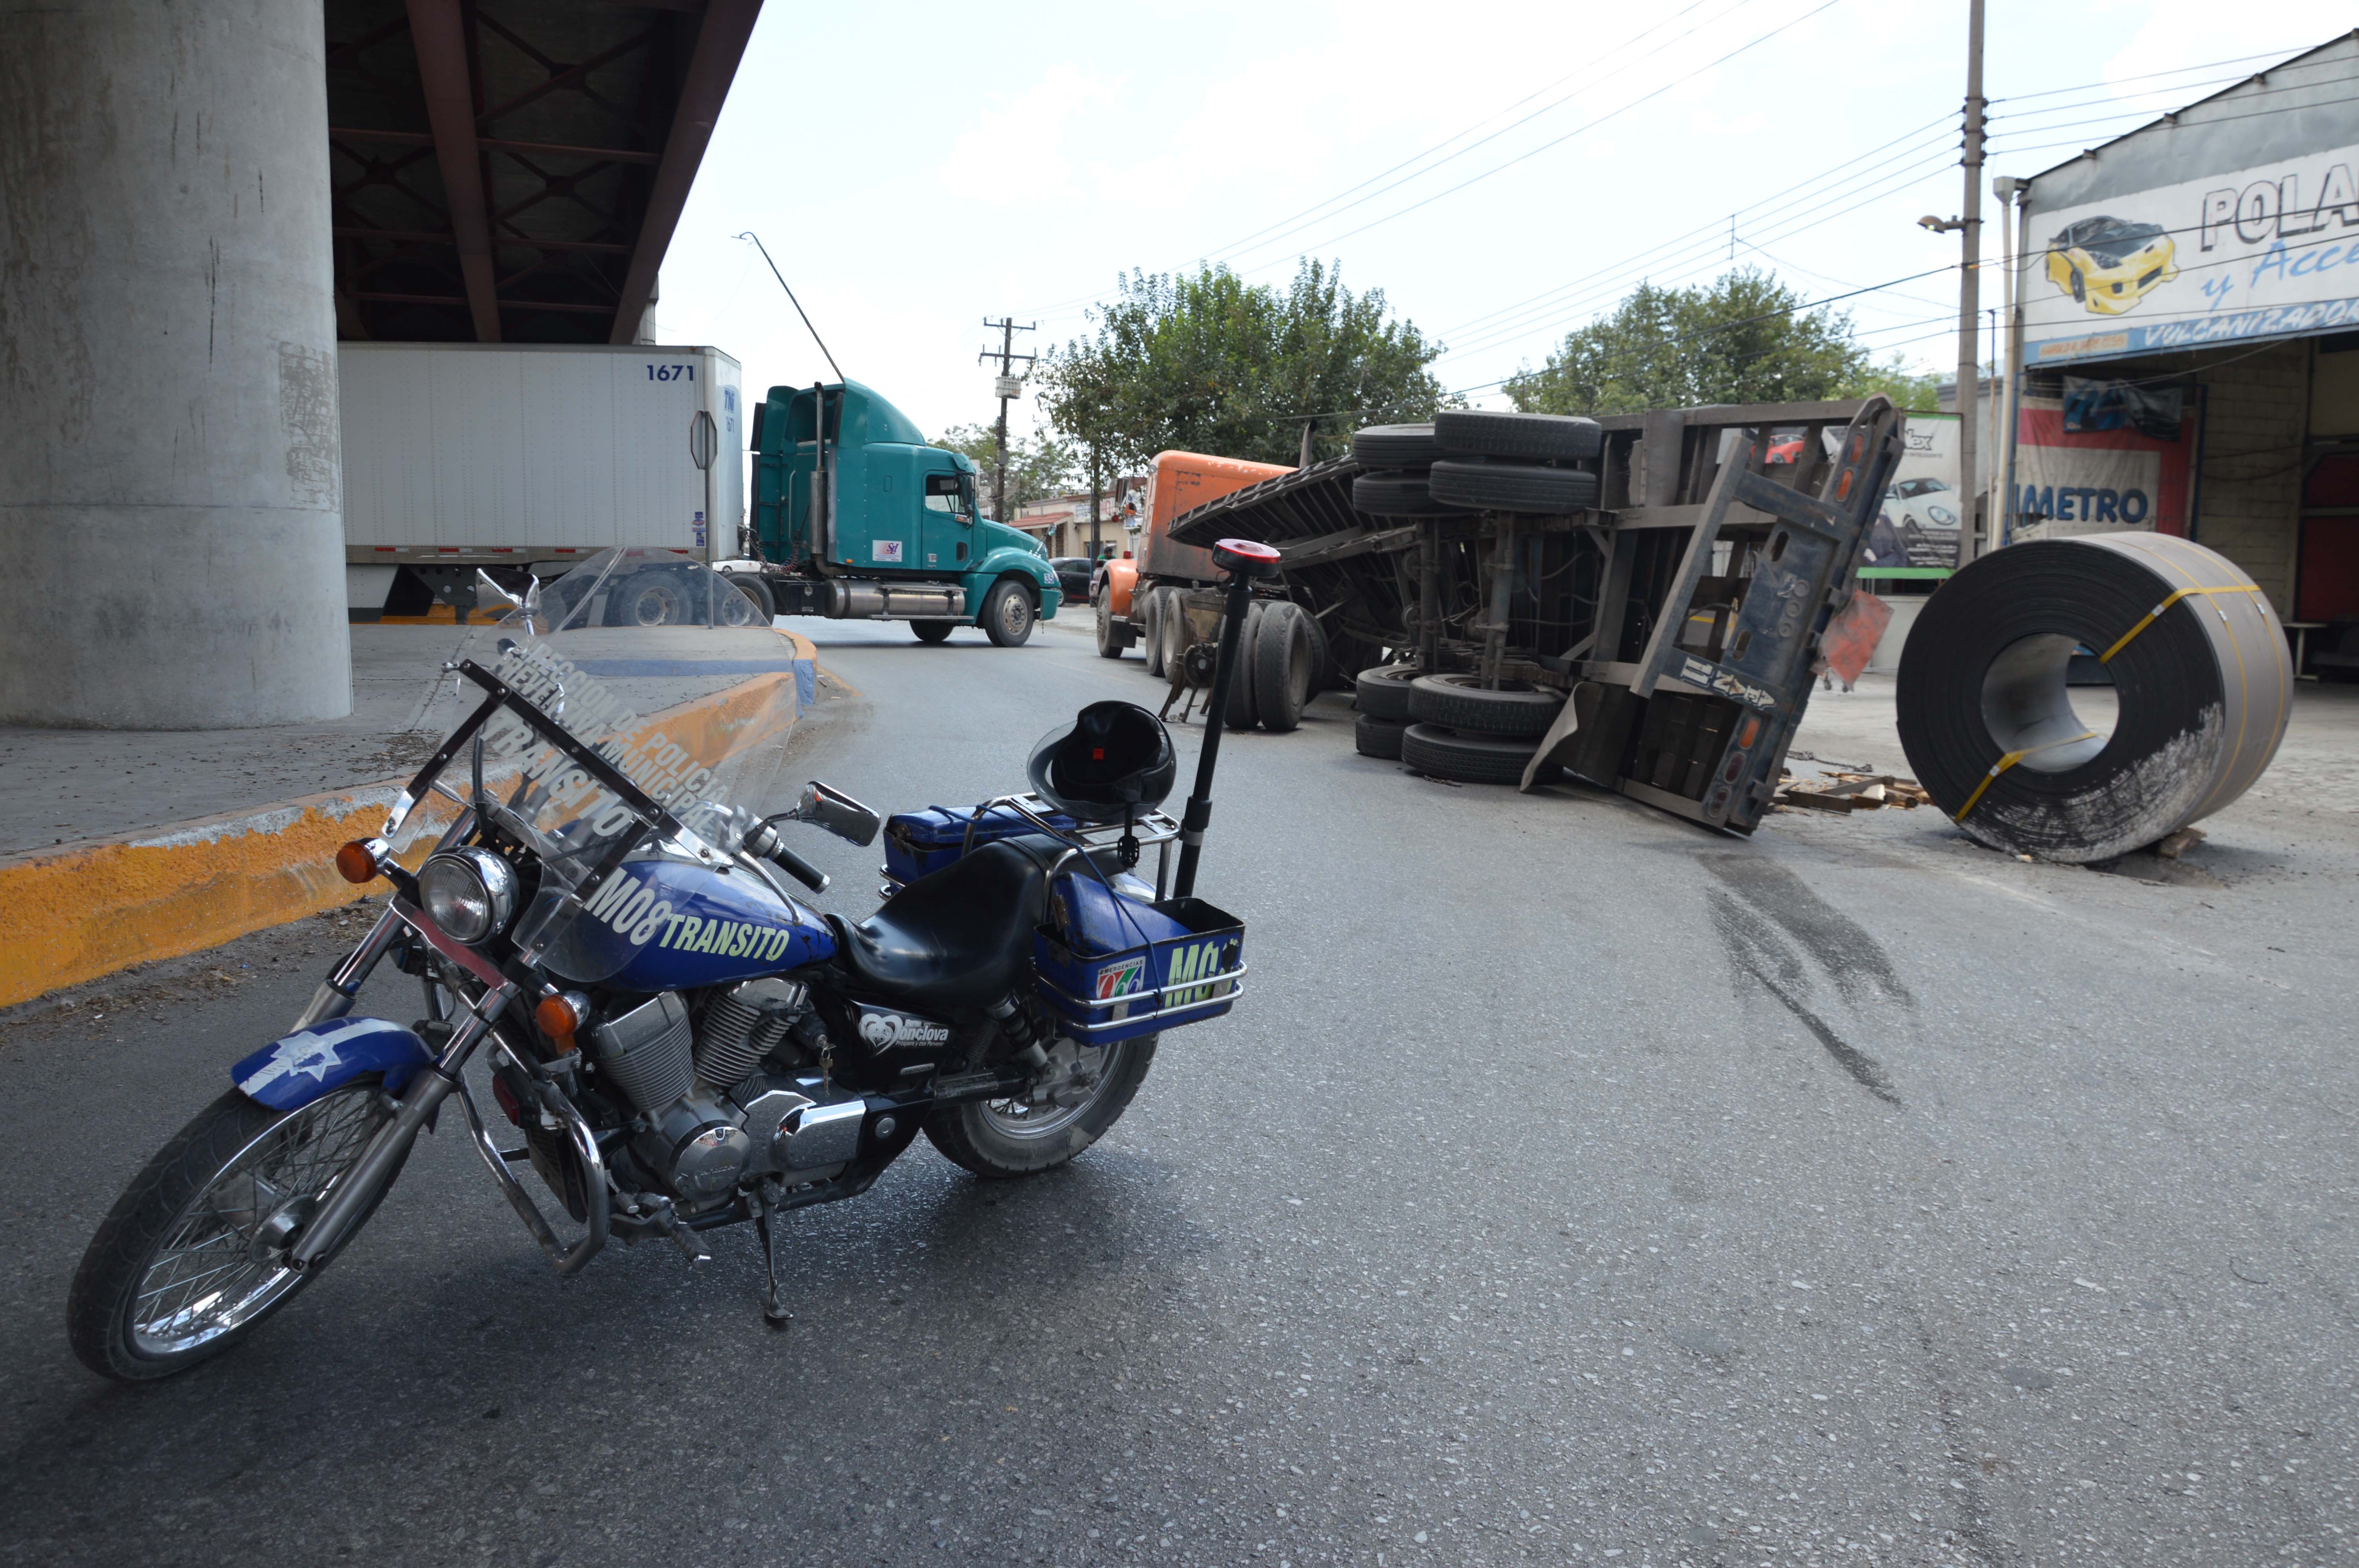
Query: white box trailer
x=460, y=456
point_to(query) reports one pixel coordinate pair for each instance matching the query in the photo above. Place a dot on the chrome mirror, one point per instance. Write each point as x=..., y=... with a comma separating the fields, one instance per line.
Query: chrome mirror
x=823, y=806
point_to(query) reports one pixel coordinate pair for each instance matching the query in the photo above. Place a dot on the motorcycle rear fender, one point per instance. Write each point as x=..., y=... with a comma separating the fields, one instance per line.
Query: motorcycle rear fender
x=296, y=1069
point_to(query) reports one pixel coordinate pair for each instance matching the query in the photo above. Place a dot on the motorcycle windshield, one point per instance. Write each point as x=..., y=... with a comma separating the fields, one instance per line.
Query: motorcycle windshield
x=634, y=708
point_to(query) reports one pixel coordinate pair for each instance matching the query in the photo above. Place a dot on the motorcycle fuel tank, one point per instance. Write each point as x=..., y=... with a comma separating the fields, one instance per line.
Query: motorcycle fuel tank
x=662, y=926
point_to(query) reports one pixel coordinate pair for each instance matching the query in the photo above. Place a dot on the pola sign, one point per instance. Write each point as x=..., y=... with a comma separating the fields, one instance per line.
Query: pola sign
x=2267, y=251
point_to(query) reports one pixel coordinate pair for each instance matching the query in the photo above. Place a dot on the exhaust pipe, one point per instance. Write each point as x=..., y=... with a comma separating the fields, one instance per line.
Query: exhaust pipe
x=855, y=600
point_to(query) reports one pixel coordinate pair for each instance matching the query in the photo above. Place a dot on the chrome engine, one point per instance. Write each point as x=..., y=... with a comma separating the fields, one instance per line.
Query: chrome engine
x=710, y=1122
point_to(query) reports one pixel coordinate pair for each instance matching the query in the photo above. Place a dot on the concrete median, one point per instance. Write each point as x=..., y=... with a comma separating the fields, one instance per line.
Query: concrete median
x=91, y=908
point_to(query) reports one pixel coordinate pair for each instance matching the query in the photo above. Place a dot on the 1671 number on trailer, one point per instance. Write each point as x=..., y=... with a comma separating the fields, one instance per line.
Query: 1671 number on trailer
x=671, y=373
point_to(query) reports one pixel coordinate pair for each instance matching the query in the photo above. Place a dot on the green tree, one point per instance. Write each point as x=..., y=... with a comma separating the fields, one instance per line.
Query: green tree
x=1746, y=338
x=1205, y=362
x=1079, y=394
x=1038, y=466
x=1906, y=387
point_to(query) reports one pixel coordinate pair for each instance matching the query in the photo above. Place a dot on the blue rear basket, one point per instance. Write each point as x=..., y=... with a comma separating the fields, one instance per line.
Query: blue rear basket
x=1184, y=968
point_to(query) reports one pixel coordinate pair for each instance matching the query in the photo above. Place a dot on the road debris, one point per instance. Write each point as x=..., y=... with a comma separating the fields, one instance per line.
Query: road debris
x=1849, y=791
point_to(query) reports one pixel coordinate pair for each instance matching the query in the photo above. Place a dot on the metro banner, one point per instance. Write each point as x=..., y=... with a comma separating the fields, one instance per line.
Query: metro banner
x=2267, y=251
x=2096, y=482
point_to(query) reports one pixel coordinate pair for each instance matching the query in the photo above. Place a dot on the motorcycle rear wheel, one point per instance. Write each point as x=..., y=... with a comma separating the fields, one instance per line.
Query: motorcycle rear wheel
x=998, y=1139
x=184, y=1266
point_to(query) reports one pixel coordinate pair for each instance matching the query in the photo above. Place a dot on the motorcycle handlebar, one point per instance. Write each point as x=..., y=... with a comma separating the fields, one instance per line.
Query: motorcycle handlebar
x=794, y=866
x=765, y=841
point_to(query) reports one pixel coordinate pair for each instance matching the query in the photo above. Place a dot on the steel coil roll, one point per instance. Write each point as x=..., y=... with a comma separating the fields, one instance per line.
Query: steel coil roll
x=2201, y=678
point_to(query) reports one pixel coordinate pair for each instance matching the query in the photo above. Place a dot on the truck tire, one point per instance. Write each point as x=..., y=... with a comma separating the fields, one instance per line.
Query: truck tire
x=933, y=631
x=1007, y=613
x=1495, y=433
x=732, y=606
x=1243, y=711
x=1281, y=666
x=646, y=599
x=1375, y=736
x=757, y=591
x=1513, y=487
x=1171, y=626
x=1398, y=495
x=1395, y=446
x=1459, y=702
x=1443, y=754
x=1383, y=692
x=1146, y=609
x=1322, y=657
x=1112, y=637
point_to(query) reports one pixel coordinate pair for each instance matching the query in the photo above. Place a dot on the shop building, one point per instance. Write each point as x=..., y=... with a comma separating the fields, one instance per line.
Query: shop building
x=2186, y=310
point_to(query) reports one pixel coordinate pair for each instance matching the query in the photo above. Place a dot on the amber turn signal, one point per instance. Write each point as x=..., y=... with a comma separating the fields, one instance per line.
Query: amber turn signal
x=558, y=1020
x=356, y=862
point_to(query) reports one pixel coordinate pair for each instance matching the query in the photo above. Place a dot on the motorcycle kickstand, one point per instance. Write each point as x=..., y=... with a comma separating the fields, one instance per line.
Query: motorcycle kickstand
x=765, y=1197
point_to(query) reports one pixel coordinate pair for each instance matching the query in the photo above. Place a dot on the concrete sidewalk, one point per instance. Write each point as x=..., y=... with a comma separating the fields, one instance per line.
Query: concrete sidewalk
x=60, y=786
x=117, y=848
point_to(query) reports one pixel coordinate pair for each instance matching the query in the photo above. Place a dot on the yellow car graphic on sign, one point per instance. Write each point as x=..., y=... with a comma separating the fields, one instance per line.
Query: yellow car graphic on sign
x=2108, y=265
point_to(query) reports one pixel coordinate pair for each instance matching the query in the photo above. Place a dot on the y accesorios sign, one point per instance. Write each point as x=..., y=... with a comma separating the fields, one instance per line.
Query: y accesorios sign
x=2267, y=251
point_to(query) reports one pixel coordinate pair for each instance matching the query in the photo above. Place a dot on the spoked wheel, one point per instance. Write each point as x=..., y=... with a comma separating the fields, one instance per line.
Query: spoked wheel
x=193, y=1257
x=1084, y=1091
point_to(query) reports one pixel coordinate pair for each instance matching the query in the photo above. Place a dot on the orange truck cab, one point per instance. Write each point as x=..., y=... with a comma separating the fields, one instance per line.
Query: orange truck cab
x=1181, y=481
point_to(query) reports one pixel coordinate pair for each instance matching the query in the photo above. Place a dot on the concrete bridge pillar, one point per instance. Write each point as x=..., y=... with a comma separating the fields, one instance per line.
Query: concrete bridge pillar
x=171, y=512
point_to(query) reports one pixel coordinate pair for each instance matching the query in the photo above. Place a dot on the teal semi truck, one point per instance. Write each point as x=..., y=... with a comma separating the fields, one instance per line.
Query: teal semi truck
x=856, y=518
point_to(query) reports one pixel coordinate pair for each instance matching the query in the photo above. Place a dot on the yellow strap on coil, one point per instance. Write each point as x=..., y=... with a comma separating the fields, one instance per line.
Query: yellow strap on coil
x=2010, y=760
x=2107, y=656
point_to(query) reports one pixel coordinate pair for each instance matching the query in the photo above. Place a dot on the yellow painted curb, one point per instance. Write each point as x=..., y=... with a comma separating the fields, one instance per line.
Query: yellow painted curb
x=75, y=915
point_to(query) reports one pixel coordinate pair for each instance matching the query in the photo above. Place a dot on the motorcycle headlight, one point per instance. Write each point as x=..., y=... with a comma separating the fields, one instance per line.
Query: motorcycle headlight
x=470, y=893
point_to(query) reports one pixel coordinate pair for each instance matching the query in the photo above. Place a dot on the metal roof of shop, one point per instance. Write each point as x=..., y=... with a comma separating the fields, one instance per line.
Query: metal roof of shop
x=512, y=170
x=2285, y=111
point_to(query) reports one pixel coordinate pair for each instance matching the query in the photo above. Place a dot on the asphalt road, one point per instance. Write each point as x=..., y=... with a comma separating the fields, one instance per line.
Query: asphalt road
x=1574, y=1187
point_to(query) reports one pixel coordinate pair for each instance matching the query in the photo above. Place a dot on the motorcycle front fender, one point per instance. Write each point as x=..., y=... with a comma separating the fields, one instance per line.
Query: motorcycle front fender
x=296, y=1069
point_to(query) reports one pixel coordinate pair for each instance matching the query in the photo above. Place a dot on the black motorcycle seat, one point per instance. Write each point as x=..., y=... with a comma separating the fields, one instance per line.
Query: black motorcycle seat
x=958, y=938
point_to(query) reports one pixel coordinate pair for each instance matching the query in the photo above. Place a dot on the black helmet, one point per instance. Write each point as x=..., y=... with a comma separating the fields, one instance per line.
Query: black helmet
x=1114, y=754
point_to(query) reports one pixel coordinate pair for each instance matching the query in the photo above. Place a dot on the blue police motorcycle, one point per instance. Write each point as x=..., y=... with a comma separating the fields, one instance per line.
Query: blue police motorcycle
x=673, y=1040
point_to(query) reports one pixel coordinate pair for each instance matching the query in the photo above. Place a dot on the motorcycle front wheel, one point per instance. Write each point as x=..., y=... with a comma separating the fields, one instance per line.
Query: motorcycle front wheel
x=192, y=1256
x=1084, y=1091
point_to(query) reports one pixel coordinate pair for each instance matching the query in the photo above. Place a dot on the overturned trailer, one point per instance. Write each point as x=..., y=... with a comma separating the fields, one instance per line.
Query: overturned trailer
x=1661, y=638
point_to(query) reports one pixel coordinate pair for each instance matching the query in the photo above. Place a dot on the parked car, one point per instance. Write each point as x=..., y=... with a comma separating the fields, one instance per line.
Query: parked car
x=1072, y=577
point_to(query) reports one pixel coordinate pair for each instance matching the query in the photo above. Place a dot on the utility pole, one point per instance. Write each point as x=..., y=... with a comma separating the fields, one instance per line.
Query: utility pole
x=1970, y=227
x=1096, y=489
x=1008, y=388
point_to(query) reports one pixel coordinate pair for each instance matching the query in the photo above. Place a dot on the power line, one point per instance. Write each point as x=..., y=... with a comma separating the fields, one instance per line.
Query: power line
x=1595, y=63
x=1462, y=152
x=1544, y=147
x=1794, y=223
x=1712, y=229
x=2171, y=123
x=2148, y=109
x=2208, y=120
x=2289, y=63
x=1576, y=131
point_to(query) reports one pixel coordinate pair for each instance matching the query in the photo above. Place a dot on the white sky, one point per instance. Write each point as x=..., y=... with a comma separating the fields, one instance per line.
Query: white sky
x=917, y=168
